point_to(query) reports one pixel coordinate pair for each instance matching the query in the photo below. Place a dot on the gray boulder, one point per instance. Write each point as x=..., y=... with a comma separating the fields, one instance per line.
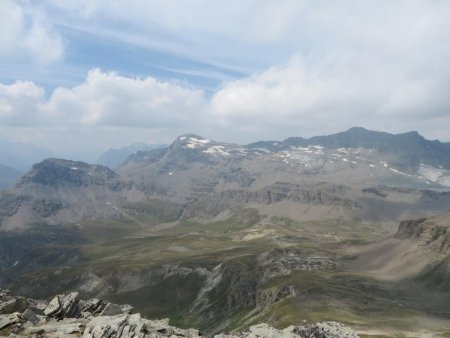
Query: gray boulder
x=63, y=306
x=10, y=303
x=318, y=330
x=11, y=319
x=30, y=316
x=93, y=306
x=53, y=307
x=325, y=330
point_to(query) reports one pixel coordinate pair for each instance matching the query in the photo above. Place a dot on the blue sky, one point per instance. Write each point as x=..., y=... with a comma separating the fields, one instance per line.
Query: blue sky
x=80, y=76
x=85, y=50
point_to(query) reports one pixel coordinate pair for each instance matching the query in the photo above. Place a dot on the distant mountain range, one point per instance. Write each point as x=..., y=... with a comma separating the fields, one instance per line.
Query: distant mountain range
x=8, y=176
x=16, y=158
x=353, y=174
x=21, y=156
x=112, y=158
x=410, y=148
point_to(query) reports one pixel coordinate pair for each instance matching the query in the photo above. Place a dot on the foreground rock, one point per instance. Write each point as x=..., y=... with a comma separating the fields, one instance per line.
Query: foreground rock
x=318, y=330
x=68, y=316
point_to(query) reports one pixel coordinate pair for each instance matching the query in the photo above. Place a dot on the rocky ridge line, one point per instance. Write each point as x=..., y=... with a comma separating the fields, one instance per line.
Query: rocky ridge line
x=69, y=316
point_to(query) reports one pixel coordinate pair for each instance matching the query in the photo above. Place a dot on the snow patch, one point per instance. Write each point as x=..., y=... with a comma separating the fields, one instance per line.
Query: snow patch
x=398, y=172
x=194, y=142
x=317, y=150
x=264, y=150
x=217, y=150
x=349, y=161
x=438, y=175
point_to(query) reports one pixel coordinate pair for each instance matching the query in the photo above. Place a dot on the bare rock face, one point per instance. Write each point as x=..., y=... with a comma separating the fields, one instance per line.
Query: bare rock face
x=93, y=306
x=58, y=172
x=12, y=305
x=111, y=310
x=410, y=229
x=433, y=232
x=53, y=307
x=10, y=320
x=68, y=316
x=128, y=326
x=325, y=330
x=30, y=316
x=318, y=330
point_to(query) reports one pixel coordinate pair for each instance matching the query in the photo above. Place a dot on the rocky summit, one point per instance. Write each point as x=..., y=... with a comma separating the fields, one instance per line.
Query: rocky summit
x=69, y=316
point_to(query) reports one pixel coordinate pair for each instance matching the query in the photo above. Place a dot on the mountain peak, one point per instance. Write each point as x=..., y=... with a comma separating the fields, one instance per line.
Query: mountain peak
x=56, y=172
x=191, y=141
x=357, y=129
x=412, y=134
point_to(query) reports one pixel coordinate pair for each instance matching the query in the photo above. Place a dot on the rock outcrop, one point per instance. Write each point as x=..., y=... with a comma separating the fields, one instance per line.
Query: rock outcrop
x=318, y=330
x=432, y=232
x=69, y=316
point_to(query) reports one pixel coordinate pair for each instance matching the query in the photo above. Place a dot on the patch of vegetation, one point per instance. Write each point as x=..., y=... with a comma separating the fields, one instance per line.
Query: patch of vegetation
x=437, y=276
x=132, y=264
x=154, y=210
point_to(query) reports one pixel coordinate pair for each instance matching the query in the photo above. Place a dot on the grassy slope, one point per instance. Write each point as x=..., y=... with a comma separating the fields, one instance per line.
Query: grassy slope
x=238, y=300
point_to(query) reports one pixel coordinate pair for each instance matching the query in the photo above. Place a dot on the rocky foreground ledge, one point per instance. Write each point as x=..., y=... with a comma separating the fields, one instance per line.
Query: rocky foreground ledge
x=68, y=316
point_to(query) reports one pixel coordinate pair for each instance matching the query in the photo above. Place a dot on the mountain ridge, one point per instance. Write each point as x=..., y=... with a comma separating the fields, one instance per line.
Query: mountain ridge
x=112, y=158
x=194, y=172
x=359, y=137
x=8, y=176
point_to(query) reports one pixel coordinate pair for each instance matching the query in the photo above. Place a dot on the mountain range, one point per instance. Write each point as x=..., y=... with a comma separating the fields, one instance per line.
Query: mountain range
x=8, y=176
x=342, y=227
x=21, y=156
x=351, y=175
x=112, y=158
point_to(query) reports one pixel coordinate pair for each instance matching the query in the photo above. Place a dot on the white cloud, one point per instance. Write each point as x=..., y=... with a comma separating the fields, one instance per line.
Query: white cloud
x=43, y=46
x=19, y=103
x=26, y=35
x=11, y=25
x=104, y=99
x=380, y=64
x=377, y=64
x=108, y=99
x=334, y=93
x=106, y=110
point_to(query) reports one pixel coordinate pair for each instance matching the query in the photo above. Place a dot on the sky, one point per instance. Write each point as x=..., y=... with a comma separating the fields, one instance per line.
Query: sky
x=80, y=76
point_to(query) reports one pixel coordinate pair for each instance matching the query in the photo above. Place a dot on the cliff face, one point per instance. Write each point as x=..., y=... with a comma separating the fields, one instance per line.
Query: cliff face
x=69, y=316
x=433, y=235
x=433, y=232
x=58, y=191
